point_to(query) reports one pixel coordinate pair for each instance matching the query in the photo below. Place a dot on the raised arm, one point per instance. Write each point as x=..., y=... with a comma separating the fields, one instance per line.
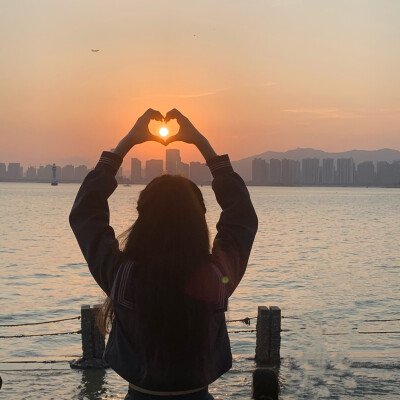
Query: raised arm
x=238, y=222
x=237, y=225
x=90, y=215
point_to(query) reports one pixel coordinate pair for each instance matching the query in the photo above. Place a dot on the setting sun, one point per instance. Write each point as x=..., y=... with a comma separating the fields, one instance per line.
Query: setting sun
x=163, y=131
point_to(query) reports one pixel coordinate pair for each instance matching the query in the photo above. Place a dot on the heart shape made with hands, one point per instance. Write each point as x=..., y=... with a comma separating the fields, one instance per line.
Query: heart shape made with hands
x=172, y=126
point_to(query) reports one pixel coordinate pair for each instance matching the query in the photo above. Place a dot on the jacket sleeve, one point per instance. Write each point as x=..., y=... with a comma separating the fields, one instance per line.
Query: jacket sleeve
x=90, y=221
x=237, y=225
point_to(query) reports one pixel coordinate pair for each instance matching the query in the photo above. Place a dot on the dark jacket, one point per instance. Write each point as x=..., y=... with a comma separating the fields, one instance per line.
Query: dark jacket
x=236, y=228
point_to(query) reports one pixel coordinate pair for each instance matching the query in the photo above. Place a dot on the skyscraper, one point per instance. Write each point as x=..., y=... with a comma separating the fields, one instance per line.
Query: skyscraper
x=154, y=168
x=345, y=171
x=388, y=174
x=290, y=172
x=136, y=170
x=183, y=169
x=365, y=175
x=275, y=171
x=172, y=158
x=14, y=171
x=310, y=171
x=259, y=171
x=68, y=173
x=328, y=171
x=31, y=173
x=199, y=173
x=3, y=170
x=80, y=172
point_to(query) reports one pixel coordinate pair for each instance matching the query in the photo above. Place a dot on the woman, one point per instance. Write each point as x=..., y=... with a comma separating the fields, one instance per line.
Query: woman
x=167, y=292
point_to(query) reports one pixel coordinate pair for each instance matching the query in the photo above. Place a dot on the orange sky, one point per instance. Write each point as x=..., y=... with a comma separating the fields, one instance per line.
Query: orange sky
x=252, y=75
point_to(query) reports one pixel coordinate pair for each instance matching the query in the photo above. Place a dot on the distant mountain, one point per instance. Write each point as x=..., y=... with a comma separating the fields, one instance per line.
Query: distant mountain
x=243, y=166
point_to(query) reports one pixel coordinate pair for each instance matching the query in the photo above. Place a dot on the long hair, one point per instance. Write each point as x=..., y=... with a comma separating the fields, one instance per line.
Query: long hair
x=168, y=243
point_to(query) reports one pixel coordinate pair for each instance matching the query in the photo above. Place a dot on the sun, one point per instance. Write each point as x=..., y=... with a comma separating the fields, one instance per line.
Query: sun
x=163, y=131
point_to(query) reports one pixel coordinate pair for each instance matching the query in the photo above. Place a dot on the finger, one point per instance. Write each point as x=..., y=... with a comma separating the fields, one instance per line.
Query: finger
x=173, y=114
x=155, y=138
x=153, y=114
x=174, y=138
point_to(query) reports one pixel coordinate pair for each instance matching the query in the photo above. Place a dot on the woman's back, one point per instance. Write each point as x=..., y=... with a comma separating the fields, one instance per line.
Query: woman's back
x=168, y=291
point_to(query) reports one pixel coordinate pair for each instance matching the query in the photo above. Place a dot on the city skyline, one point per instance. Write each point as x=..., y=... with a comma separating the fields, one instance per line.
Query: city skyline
x=309, y=171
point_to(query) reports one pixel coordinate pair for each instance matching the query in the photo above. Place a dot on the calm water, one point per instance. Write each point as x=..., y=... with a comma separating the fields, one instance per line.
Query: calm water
x=328, y=256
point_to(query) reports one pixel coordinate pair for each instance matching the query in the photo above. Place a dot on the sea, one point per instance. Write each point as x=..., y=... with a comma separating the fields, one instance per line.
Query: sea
x=329, y=257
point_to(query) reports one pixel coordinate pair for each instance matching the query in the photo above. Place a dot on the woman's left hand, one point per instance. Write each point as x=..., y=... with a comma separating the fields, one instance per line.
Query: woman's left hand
x=140, y=133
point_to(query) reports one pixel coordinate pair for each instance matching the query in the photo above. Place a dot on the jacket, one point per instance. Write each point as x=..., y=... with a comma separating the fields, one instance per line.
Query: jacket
x=236, y=229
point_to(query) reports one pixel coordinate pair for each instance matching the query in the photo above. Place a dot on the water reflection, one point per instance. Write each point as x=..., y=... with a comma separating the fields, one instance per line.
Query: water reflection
x=93, y=384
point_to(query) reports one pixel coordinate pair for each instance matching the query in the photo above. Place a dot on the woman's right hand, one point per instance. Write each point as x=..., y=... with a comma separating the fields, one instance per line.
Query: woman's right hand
x=187, y=132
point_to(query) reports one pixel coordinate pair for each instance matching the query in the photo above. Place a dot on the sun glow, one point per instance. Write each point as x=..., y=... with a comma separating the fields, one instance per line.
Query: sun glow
x=163, y=131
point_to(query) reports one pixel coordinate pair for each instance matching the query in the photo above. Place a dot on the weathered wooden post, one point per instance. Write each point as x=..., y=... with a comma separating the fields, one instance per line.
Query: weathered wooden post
x=93, y=344
x=262, y=335
x=275, y=335
x=268, y=336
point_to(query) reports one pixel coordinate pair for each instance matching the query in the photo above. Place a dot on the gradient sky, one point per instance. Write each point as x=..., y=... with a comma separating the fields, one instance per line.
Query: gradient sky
x=252, y=75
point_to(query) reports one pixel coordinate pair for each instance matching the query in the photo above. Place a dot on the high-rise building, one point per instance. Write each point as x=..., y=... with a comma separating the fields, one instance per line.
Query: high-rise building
x=259, y=171
x=388, y=174
x=31, y=173
x=396, y=172
x=200, y=173
x=290, y=172
x=172, y=157
x=365, y=175
x=183, y=169
x=68, y=173
x=45, y=173
x=328, y=171
x=3, y=170
x=14, y=171
x=80, y=172
x=310, y=171
x=345, y=171
x=136, y=170
x=154, y=168
x=58, y=172
x=275, y=171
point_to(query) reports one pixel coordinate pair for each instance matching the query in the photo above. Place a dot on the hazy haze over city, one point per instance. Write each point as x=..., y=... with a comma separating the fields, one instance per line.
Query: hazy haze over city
x=252, y=75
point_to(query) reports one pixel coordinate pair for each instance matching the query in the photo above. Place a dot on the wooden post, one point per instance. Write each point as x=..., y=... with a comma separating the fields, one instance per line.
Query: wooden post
x=93, y=344
x=275, y=345
x=87, y=328
x=262, y=335
x=268, y=336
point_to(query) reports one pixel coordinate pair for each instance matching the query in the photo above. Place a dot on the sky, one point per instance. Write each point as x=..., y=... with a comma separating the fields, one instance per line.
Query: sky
x=252, y=75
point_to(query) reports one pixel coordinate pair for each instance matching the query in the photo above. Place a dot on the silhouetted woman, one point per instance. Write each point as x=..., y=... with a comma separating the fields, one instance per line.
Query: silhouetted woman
x=167, y=293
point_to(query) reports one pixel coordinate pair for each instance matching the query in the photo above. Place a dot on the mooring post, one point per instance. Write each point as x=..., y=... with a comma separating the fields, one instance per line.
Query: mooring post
x=93, y=344
x=87, y=328
x=268, y=336
x=262, y=335
x=98, y=337
x=275, y=346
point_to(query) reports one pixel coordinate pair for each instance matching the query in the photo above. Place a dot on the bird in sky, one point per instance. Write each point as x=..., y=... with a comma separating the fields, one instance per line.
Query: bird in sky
x=95, y=50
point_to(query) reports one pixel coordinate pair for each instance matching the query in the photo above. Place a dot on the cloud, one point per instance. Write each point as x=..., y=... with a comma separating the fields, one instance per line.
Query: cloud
x=193, y=95
x=388, y=111
x=314, y=111
x=321, y=113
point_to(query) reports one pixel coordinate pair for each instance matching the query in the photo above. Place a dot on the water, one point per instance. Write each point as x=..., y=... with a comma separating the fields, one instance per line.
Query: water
x=328, y=256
